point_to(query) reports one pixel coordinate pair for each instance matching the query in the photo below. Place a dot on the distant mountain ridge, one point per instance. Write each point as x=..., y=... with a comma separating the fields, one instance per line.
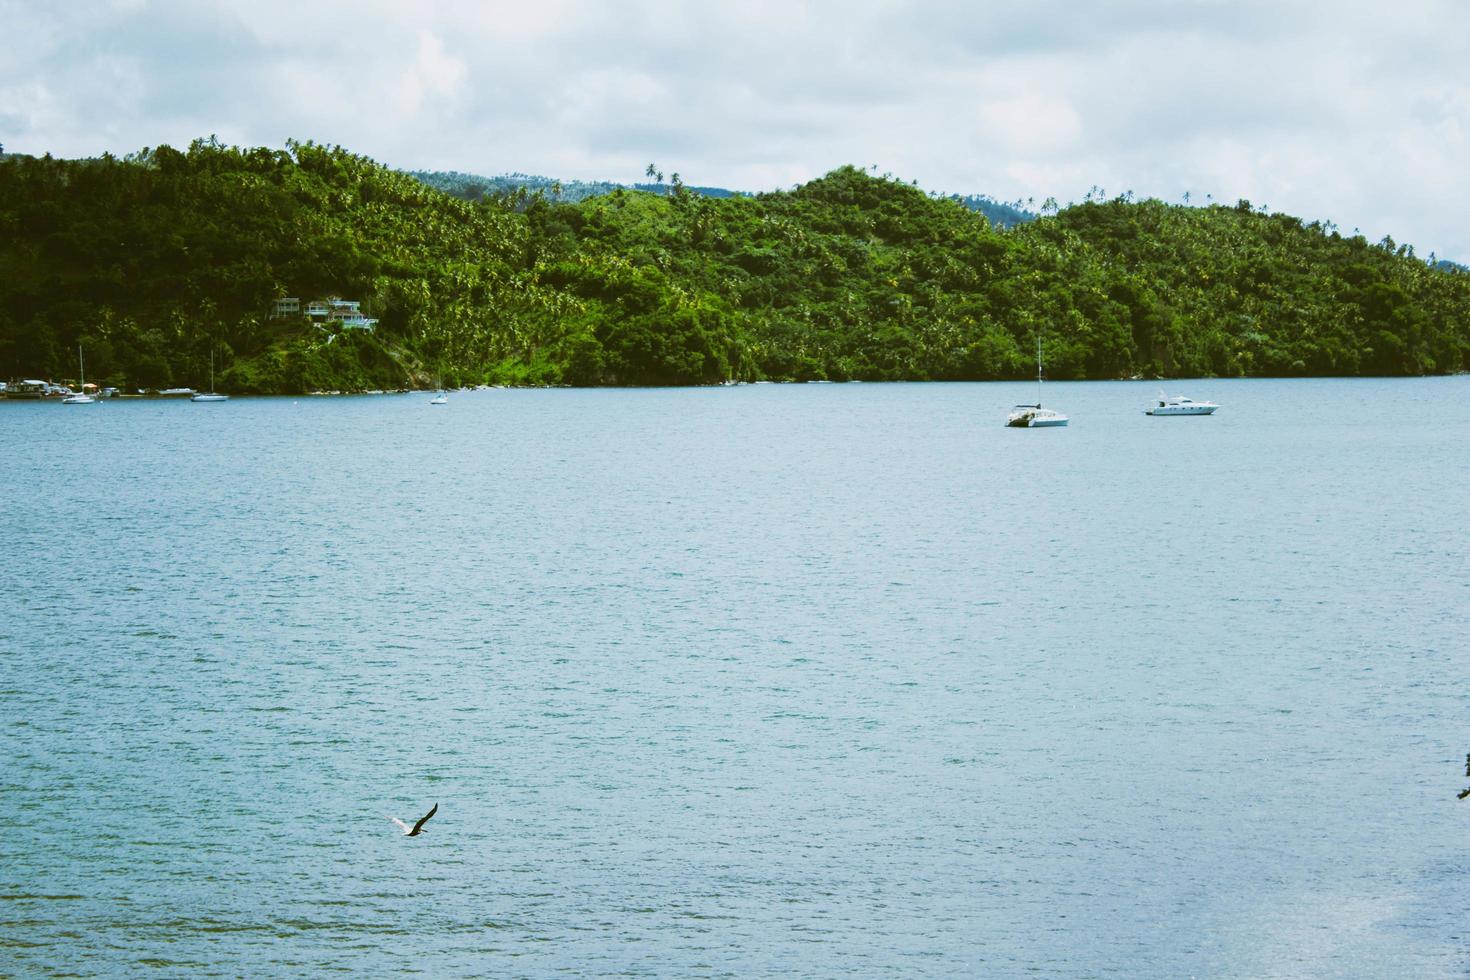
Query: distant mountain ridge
x=474, y=187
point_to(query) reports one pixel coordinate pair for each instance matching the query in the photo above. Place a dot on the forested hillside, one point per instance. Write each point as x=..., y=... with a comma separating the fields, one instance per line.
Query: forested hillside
x=473, y=187
x=151, y=262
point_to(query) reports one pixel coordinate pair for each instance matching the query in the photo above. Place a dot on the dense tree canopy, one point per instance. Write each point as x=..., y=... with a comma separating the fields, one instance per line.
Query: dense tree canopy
x=154, y=261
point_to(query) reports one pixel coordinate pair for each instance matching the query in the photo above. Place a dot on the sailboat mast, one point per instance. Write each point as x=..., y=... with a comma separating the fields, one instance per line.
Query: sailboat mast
x=1038, y=370
x=81, y=367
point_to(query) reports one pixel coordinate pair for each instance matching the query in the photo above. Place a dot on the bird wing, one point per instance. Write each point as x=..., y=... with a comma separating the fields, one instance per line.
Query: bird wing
x=425, y=818
x=400, y=823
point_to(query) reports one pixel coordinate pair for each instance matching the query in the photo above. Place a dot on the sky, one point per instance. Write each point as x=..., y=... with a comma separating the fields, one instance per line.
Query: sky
x=1350, y=111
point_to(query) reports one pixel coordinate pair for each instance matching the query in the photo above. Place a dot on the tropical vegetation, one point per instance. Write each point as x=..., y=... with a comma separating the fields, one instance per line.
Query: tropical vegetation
x=155, y=262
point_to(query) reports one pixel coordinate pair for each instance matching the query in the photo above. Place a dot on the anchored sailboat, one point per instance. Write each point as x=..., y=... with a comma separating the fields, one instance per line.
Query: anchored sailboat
x=1034, y=416
x=81, y=397
x=211, y=395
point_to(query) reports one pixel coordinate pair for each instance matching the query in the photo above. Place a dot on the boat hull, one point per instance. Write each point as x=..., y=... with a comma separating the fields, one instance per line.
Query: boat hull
x=1036, y=420
x=1190, y=410
x=28, y=389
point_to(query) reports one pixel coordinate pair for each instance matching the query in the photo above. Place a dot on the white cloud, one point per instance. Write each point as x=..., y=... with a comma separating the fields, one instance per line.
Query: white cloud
x=1356, y=112
x=1031, y=123
x=28, y=106
x=434, y=75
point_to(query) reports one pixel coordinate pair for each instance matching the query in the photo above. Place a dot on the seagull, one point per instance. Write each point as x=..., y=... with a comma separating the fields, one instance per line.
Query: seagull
x=417, y=828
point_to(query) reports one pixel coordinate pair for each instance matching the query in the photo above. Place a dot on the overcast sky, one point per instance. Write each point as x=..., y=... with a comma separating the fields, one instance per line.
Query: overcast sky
x=1354, y=111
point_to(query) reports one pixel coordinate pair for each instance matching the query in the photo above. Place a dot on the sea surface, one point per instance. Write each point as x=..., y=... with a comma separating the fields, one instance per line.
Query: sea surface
x=798, y=680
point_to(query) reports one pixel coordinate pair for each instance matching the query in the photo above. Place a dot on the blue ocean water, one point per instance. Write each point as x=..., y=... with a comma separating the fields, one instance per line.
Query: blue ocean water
x=797, y=680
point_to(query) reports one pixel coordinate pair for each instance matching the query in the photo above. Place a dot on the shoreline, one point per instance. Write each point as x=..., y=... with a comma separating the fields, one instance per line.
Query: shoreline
x=340, y=393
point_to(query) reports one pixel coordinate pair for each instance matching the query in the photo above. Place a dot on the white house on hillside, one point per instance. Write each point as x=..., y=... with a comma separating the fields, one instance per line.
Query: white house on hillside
x=346, y=312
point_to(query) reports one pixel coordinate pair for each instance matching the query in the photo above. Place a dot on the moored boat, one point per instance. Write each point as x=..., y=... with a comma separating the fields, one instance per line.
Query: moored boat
x=81, y=396
x=211, y=395
x=1179, y=405
x=28, y=389
x=1034, y=416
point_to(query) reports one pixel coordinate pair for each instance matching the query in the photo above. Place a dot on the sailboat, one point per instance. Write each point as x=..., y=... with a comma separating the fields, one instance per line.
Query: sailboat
x=81, y=397
x=210, y=395
x=1034, y=416
x=442, y=398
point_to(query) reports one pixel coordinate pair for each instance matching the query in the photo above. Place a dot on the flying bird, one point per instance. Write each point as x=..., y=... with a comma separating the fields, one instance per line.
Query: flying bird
x=417, y=828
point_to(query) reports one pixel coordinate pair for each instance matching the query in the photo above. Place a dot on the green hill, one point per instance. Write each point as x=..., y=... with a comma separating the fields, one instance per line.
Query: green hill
x=473, y=187
x=152, y=261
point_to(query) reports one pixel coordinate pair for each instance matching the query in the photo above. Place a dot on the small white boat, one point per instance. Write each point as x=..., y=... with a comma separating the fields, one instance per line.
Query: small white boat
x=81, y=397
x=1034, y=416
x=211, y=395
x=1179, y=405
x=439, y=399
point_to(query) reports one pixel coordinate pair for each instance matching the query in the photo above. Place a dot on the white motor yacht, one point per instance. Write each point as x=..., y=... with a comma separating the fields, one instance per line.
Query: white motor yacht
x=1179, y=405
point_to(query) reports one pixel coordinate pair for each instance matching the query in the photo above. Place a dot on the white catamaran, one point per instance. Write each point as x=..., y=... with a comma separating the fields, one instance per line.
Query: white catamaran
x=1034, y=416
